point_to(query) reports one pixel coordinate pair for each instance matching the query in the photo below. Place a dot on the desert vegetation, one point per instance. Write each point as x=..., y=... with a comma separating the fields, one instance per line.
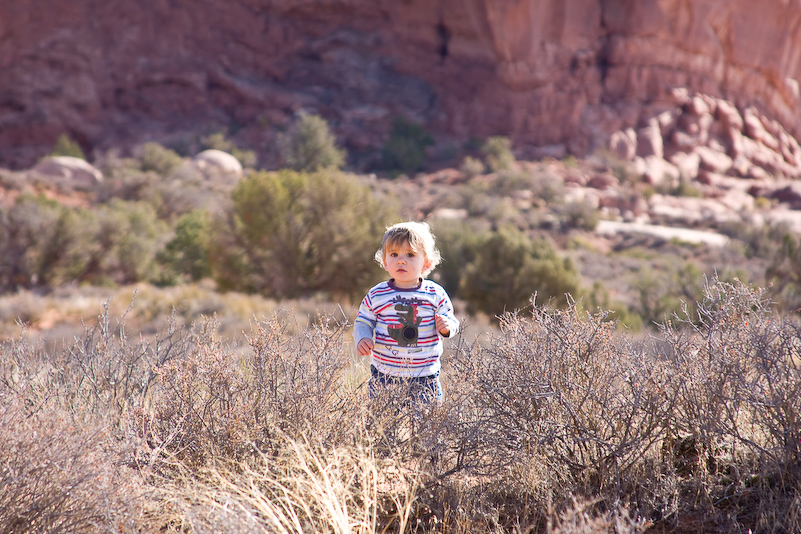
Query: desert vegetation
x=555, y=421
x=177, y=354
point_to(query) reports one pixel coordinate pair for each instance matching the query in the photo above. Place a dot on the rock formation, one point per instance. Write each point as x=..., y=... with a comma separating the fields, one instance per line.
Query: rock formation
x=556, y=76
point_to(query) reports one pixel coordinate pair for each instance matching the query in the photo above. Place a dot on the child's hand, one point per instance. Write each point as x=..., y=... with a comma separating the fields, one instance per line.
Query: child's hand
x=365, y=346
x=442, y=325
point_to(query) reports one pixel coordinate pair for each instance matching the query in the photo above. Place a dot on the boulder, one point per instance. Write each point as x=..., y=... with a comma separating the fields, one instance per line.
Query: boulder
x=656, y=171
x=713, y=160
x=738, y=201
x=649, y=139
x=688, y=164
x=70, y=172
x=623, y=144
x=603, y=181
x=792, y=218
x=689, y=210
x=755, y=129
x=728, y=114
x=218, y=161
x=790, y=195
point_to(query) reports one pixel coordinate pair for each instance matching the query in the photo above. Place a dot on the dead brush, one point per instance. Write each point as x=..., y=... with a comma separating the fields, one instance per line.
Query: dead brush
x=565, y=390
x=60, y=473
x=735, y=436
x=216, y=403
x=105, y=371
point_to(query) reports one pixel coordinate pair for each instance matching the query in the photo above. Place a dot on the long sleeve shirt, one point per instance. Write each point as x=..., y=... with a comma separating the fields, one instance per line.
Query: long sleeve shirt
x=401, y=323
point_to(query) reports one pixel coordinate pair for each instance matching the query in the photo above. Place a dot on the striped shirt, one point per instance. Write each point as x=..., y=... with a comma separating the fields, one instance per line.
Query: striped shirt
x=401, y=324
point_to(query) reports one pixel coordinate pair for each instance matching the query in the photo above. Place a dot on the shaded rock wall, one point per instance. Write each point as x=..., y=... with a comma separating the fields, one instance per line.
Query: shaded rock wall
x=557, y=76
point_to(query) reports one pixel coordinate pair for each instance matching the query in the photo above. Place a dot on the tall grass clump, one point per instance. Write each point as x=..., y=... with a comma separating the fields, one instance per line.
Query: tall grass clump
x=306, y=488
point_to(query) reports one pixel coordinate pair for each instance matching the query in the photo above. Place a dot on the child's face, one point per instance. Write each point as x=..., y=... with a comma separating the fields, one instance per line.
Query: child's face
x=405, y=265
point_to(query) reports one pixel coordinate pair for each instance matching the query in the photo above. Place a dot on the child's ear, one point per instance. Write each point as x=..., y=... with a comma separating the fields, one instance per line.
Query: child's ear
x=427, y=264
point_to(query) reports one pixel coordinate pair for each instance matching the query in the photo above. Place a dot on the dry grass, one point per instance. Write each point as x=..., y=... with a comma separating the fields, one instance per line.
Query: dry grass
x=555, y=422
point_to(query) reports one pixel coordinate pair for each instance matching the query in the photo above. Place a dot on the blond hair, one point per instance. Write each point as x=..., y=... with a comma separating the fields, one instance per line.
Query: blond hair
x=419, y=237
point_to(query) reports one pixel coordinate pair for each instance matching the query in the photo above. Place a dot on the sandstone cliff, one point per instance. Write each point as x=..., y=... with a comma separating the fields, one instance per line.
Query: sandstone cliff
x=557, y=76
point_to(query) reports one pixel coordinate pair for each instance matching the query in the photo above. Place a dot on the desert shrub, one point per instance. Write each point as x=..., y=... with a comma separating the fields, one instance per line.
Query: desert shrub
x=59, y=475
x=154, y=157
x=405, y=149
x=685, y=188
x=597, y=299
x=214, y=404
x=113, y=243
x=472, y=167
x=48, y=244
x=30, y=238
x=510, y=267
x=107, y=373
x=497, y=151
x=186, y=256
x=123, y=179
x=562, y=388
x=554, y=421
x=758, y=241
x=127, y=236
x=459, y=243
x=66, y=146
x=291, y=234
x=784, y=273
x=341, y=491
x=579, y=215
x=667, y=290
x=507, y=182
x=734, y=435
x=65, y=446
x=309, y=146
x=621, y=169
x=160, y=177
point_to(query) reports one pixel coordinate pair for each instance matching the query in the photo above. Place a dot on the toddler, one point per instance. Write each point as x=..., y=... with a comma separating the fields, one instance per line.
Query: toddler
x=402, y=321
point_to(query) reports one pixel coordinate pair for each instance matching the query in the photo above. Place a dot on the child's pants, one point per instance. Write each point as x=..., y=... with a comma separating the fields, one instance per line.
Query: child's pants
x=421, y=389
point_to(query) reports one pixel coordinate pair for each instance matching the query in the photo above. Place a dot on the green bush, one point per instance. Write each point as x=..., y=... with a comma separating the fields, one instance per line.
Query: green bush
x=46, y=244
x=156, y=158
x=290, y=234
x=459, y=242
x=784, y=274
x=504, y=268
x=66, y=146
x=472, y=167
x=31, y=238
x=665, y=290
x=186, y=255
x=498, y=152
x=405, y=150
x=598, y=300
x=309, y=146
x=579, y=215
x=128, y=237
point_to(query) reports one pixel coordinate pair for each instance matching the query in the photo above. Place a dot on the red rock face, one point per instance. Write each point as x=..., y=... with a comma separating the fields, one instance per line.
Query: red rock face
x=554, y=75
